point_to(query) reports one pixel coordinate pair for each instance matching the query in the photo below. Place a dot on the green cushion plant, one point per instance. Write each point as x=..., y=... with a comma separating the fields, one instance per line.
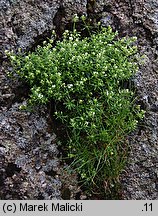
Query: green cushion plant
x=84, y=77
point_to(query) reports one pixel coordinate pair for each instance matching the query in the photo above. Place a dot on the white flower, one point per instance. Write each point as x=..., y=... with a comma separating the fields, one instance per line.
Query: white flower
x=81, y=82
x=85, y=79
x=83, y=17
x=71, y=38
x=70, y=86
x=59, y=74
x=95, y=73
x=75, y=18
x=91, y=113
x=86, y=123
x=40, y=96
x=80, y=101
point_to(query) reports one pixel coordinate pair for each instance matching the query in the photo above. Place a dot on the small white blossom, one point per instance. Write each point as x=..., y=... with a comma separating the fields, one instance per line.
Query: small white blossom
x=80, y=101
x=86, y=123
x=70, y=86
x=59, y=74
x=95, y=73
x=71, y=38
x=75, y=18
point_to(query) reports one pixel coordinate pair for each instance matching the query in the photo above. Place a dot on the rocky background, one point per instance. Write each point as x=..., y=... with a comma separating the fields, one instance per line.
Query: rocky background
x=30, y=159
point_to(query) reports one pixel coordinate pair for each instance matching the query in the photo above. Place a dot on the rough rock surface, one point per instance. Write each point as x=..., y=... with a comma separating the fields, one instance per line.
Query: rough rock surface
x=30, y=166
x=29, y=155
